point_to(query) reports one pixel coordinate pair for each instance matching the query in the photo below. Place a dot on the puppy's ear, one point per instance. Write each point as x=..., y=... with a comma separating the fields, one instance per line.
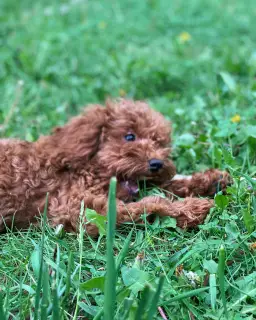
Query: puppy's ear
x=78, y=141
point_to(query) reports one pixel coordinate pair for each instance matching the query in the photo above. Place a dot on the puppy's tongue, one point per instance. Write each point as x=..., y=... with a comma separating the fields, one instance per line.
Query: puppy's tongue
x=130, y=186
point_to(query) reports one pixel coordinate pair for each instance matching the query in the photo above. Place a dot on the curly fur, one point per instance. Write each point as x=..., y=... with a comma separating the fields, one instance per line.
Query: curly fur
x=77, y=160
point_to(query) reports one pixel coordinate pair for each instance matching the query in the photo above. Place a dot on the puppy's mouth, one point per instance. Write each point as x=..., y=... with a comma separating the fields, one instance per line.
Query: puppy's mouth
x=131, y=187
x=134, y=186
x=133, y=183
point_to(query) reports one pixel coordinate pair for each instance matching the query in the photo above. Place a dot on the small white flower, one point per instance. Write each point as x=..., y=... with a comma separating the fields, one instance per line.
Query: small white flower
x=192, y=277
x=48, y=11
x=64, y=8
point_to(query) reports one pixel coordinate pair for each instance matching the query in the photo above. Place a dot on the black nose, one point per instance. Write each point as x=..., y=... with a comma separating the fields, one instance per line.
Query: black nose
x=155, y=165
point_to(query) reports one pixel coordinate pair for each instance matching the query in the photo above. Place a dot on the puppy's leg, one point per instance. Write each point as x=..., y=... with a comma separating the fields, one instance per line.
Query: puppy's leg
x=188, y=213
x=191, y=212
x=152, y=204
x=199, y=184
x=66, y=210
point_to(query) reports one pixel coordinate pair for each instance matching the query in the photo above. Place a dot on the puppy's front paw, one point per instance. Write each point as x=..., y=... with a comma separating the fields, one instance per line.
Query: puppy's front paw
x=217, y=181
x=192, y=211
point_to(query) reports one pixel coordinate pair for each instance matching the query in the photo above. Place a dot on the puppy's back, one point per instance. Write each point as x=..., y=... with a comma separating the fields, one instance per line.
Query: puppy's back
x=14, y=155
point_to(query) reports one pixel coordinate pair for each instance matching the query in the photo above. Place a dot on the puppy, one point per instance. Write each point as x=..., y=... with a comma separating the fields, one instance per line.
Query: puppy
x=126, y=139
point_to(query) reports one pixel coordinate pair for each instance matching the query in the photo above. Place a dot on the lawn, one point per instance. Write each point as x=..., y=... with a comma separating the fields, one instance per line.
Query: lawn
x=195, y=61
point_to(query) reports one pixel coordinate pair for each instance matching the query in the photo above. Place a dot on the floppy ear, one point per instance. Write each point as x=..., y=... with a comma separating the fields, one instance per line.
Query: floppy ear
x=74, y=144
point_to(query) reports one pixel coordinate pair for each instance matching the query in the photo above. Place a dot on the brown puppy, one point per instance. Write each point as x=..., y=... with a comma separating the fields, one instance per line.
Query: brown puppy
x=125, y=139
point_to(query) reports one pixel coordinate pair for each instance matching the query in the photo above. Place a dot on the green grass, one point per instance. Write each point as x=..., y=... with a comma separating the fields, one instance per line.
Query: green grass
x=58, y=56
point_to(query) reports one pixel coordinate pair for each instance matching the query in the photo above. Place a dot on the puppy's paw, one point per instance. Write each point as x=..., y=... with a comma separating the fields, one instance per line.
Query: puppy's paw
x=192, y=211
x=217, y=181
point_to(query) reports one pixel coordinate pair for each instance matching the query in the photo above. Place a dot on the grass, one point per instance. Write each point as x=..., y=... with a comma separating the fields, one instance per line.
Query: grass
x=195, y=62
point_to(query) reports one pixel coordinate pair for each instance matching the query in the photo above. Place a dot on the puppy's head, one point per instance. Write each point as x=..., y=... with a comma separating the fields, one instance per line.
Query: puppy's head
x=135, y=144
x=125, y=139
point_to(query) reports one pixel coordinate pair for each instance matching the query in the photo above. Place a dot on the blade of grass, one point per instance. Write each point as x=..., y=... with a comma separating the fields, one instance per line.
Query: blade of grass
x=154, y=302
x=242, y=298
x=45, y=296
x=213, y=290
x=2, y=313
x=124, y=251
x=39, y=281
x=80, y=241
x=55, y=302
x=185, y=295
x=98, y=315
x=221, y=269
x=143, y=303
x=248, y=218
x=68, y=277
x=127, y=307
x=110, y=283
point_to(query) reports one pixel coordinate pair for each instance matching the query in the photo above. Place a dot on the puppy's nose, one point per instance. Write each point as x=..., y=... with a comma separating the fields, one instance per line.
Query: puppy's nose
x=155, y=165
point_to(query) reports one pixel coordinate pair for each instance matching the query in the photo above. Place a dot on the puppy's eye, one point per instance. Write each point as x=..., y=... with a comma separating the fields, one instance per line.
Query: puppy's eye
x=130, y=137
